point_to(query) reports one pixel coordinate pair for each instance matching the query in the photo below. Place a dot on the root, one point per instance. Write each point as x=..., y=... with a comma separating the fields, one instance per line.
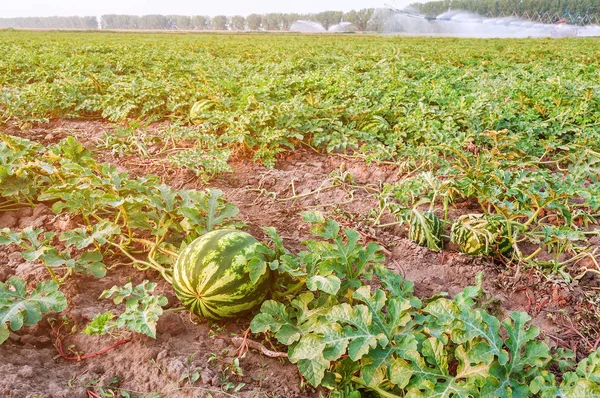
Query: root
x=58, y=344
x=243, y=343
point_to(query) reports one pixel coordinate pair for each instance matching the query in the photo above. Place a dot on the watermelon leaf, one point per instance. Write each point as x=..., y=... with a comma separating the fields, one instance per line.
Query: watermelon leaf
x=101, y=324
x=327, y=284
x=204, y=211
x=257, y=267
x=142, y=310
x=80, y=238
x=313, y=369
x=18, y=309
x=8, y=237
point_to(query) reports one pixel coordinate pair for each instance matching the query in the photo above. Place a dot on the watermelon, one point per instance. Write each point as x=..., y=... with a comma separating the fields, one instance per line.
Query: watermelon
x=477, y=234
x=425, y=230
x=200, y=111
x=211, y=276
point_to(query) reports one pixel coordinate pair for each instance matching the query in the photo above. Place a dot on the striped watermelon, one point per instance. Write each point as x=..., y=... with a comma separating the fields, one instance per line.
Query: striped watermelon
x=211, y=276
x=477, y=234
x=200, y=111
x=425, y=229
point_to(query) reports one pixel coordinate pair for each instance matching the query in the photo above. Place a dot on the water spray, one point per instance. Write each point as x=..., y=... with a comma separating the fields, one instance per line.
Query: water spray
x=465, y=24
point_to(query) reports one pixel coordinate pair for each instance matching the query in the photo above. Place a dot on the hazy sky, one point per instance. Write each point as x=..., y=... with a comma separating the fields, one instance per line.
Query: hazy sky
x=25, y=8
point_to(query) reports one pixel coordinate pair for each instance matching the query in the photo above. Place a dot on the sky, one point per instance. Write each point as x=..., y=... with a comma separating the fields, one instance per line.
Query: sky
x=38, y=8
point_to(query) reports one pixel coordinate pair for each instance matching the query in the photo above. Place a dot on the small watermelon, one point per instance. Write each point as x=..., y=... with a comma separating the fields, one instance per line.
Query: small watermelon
x=477, y=234
x=200, y=111
x=211, y=276
x=425, y=230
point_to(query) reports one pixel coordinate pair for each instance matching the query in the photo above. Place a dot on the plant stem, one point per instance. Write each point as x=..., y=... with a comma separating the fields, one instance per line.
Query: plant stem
x=52, y=274
x=532, y=255
x=318, y=190
x=150, y=243
x=152, y=264
x=177, y=309
x=95, y=354
x=390, y=224
x=291, y=290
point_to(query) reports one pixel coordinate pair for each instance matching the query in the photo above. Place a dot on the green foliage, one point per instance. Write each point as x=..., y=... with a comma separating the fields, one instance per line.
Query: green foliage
x=142, y=310
x=478, y=124
x=389, y=342
x=119, y=212
x=18, y=309
x=334, y=264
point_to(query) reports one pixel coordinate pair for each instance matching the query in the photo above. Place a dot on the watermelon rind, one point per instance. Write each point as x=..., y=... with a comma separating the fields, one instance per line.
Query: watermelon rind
x=211, y=276
x=425, y=230
x=481, y=235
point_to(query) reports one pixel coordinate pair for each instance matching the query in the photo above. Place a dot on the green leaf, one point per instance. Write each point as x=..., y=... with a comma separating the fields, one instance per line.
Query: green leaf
x=80, y=238
x=257, y=266
x=142, y=309
x=52, y=258
x=271, y=317
x=478, y=323
x=17, y=309
x=395, y=284
x=168, y=198
x=518, y=336
x=590, y=367
x=91, y=263
x=206, y=210
x=327, y=284
x=8, y=237
x=141, y=315
x=361, y=338
x=399, y=372
x=313, y=369
x=33, y=255
x=101, y=324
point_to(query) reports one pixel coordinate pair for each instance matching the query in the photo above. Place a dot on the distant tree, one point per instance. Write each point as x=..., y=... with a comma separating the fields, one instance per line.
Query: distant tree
x=116, y=21
x=254, y=21
x=50, y=22
x=153, y=22
x=238, y=23
x=359, y=18
x=220, y=22
x=200, y=22
x=288, y=20
x=180, y=22
x=272, y=21
x=91, y=23
x=329, y=18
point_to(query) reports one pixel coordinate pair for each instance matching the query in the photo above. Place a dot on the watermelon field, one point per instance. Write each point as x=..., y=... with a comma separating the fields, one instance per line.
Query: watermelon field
x=287, y=215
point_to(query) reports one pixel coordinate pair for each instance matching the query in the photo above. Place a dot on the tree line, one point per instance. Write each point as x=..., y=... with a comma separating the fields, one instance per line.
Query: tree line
x=272, y=21
x=50, y=23
x=362, y=20
x=497, y=8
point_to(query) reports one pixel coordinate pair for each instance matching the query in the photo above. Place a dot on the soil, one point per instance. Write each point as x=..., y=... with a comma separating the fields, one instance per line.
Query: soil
x=30, y=364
